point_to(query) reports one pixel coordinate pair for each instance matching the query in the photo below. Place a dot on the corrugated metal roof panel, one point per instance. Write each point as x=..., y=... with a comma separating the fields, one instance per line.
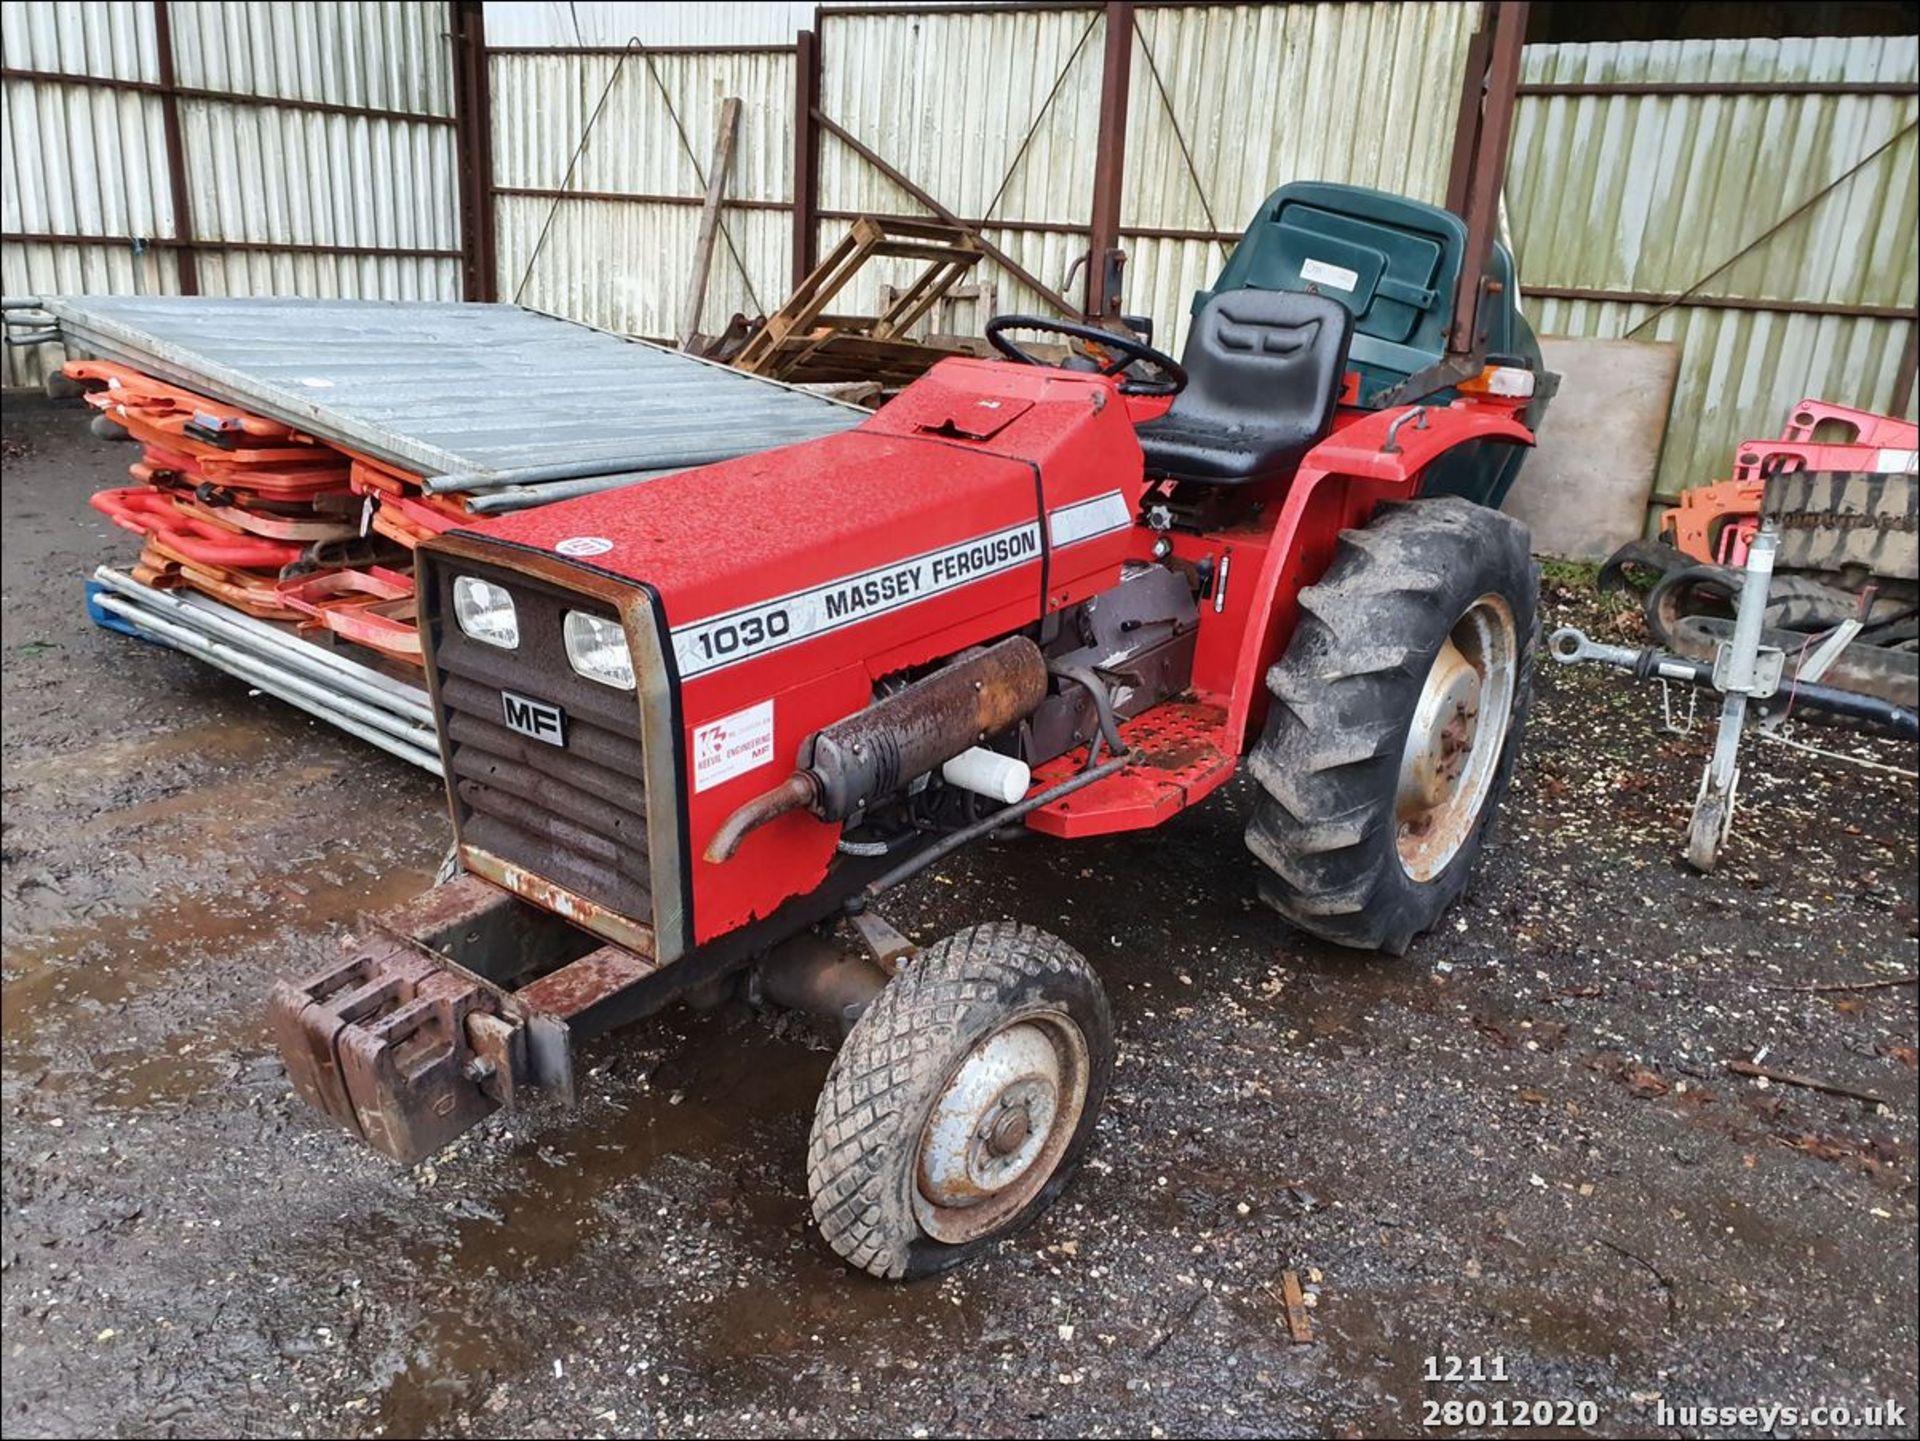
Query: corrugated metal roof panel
x=611, y=22
x=459, y=387
x=86, y=161
x=625, y=265
x=79, y=160
x=110, y=38
x=387, y=54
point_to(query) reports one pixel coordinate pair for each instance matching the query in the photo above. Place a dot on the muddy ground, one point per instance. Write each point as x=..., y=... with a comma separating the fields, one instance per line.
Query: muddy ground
x=1520, y=1141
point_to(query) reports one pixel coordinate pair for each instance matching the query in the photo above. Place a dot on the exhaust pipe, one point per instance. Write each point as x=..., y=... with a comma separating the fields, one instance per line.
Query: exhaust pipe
x=874, y=753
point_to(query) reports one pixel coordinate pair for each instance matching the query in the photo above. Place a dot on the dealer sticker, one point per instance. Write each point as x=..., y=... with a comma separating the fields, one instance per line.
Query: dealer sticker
x=732, y=745
x=583, y=545
x=1318, y=272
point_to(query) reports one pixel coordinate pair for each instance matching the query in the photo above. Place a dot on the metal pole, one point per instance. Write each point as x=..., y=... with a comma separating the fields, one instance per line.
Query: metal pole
x=473, y=149
x=1493, y=130
x=178, y=189
x=498, y=502
x=1106, y=258
x=1713, y=807
x=806, y=155
x=276, y=647
x=381, y=728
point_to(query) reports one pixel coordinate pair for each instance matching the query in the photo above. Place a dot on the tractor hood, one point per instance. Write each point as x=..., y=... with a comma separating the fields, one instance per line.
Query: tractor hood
x=967, y=501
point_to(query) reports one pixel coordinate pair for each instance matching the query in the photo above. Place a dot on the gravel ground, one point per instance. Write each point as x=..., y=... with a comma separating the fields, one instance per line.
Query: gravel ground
x=1520, y=1141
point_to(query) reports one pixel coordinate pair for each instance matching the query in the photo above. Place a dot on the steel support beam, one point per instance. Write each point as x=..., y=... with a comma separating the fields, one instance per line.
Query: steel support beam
x=1466, y=126
x=222, y=97
x=473, y=149
x=1903, y=377
x=1106, y=259
x=1668, y=299
x=806, y=155
x=228, y=247
x=1709, y=88
x=1490, y=95
x=180, y=192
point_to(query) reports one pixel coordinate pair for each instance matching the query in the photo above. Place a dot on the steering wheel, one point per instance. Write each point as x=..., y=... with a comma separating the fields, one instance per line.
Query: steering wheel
x=1172, y=378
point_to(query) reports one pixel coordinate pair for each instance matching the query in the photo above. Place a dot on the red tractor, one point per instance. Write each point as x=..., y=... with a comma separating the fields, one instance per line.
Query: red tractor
x=697, y=728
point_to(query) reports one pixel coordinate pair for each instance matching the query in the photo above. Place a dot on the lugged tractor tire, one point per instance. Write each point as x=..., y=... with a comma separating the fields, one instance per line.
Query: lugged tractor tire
x=1330, y=822
x=963, y=1005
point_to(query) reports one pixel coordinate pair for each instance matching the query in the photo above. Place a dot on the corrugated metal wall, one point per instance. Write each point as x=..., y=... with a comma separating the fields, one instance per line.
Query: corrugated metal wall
x=1261, y=94
x=1650, y=193
x=275, y=191
x=1365, y=94
x=625, y=263
x=80, y=160
x=298, y=177
x=614, y=22
x=948, y=99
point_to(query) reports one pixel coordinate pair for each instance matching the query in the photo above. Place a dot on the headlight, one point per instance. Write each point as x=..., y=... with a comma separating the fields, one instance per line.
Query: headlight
x=485, y=612
x=597, y=649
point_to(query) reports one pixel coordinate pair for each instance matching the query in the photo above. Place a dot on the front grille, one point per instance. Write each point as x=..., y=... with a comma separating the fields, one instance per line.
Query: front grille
x=575, y=815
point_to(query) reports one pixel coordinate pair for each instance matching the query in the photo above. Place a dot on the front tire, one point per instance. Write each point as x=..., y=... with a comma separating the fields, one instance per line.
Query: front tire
x=961, y=1103
x=1396, y=715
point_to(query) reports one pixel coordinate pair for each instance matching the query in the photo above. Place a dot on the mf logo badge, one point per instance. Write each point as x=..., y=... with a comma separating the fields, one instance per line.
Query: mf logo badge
x=536, y=718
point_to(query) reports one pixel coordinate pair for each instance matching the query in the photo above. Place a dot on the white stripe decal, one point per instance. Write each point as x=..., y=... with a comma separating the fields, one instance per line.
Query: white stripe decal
x=755, y=630
x=1896, y=462
x=1085, y=519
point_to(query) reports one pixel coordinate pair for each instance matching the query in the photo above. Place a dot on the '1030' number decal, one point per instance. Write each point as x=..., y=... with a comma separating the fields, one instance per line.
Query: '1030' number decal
x=749, y=633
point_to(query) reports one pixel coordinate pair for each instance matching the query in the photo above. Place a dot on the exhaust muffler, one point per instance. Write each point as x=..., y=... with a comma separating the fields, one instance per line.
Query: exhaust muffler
x=874, y=753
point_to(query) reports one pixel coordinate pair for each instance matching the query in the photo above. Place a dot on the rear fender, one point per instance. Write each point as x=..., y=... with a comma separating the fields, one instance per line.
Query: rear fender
x=1337, y=487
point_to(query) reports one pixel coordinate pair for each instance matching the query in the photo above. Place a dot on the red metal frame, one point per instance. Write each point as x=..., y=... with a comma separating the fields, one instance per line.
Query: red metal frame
x=1868, y=428
x=973, y=449
x=372, y=607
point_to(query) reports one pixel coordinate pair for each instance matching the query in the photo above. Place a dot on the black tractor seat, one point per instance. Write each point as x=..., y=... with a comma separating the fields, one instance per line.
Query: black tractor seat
x=1264, y=369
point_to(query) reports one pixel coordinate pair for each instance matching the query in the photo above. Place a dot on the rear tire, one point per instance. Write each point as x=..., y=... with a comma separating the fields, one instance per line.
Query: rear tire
x=1368, y=838
x=962, y=1101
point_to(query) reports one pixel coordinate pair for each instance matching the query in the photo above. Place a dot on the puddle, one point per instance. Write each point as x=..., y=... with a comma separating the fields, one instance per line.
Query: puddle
x=230, y=740
x=98, y=966
x=739, y=1091
x=219, y=810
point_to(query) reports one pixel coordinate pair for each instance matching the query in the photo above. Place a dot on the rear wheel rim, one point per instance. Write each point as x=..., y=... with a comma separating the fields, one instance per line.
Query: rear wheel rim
x=1000, y=1125
x=1458, y=734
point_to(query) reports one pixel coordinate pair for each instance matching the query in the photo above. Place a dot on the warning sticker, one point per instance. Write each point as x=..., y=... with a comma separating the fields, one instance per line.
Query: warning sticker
x=732, y=745
x=1318, y=272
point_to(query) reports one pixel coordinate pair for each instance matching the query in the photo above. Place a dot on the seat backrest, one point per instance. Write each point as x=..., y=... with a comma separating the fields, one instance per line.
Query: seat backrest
x=1392, y=261
x=1267, y=359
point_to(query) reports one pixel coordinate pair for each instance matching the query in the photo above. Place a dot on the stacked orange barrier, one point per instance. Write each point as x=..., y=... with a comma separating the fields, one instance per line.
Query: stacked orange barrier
x=261, y=517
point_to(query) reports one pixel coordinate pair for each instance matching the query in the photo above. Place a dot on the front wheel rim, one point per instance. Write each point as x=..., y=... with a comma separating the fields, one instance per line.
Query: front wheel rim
x=1000, y=1126
x=1458, y=735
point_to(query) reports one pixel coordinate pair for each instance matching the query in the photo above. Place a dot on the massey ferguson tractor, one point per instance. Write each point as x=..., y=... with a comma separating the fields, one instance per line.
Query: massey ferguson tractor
x=696, y=730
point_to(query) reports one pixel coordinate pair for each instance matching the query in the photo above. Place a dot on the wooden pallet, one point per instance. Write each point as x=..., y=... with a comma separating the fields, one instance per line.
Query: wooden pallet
x=803, y=342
